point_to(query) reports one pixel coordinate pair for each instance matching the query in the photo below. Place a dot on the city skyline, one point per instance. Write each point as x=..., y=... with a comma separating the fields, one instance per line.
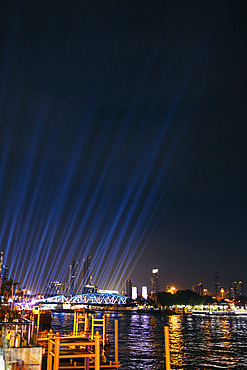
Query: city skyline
x=123, y=138
x=79, y=276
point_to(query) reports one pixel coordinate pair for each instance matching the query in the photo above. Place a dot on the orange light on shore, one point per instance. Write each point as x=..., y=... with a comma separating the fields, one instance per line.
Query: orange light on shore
x=222, y=292
x=172, y=290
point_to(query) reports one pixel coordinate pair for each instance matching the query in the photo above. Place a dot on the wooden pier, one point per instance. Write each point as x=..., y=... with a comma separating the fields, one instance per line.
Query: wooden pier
x=83, y=349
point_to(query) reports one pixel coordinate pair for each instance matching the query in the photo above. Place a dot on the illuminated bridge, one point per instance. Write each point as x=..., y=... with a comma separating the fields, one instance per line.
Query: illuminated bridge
x=89, y=298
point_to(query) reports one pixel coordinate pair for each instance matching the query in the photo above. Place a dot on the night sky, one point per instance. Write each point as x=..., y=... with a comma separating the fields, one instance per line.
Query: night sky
x=123, y=137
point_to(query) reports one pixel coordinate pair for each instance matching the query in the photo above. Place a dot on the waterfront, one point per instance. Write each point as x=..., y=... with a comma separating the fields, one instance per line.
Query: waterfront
x=197, y=342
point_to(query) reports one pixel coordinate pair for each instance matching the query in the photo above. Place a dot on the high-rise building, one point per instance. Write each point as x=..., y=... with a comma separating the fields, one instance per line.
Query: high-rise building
x=144, y=292
x=73, y=278
x=238, y=289
x=217, y=285
x=128, y=288
x=86, y=279
x=155, y=282
x=134, y=292
x=198, y=288
x=5, y=272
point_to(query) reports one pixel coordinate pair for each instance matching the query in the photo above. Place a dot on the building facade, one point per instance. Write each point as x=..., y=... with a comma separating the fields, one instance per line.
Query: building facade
x=155, y=288
x=198, y=288
x=144, y=292
x=86, y=271
x=128, y=288
x=237, y=289
x=217, y=284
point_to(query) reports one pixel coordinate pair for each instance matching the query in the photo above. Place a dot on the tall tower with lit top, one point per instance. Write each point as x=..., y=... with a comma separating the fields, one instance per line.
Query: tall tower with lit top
x=155, y=288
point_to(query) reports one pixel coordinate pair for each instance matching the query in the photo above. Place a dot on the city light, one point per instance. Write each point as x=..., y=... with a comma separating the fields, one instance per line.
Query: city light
x=134, y=292
x=172, y=290
x=144, y=292
x=222, y=291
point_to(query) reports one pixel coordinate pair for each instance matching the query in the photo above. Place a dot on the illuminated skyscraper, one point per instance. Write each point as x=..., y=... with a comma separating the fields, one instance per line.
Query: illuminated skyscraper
x=134, y=292
x=217, y=285
x=145, y=292
x=198, y=288
x=3, y=269
x=238, y=289
x=85, y=277
x=128, y=288
x=155, y=282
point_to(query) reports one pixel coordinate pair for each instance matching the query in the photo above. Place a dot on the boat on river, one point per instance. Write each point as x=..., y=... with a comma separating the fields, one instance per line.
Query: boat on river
x=230, y=312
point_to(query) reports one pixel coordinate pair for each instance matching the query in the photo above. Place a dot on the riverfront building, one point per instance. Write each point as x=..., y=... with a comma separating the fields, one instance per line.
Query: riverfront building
x=128, y=288
x=85, y=271
x=237, y=289
x=217, y=285
x=134, y=293
x=144, y=292
x=4, y=270
x=79, y=276
x=198, y=288
x=155, y=288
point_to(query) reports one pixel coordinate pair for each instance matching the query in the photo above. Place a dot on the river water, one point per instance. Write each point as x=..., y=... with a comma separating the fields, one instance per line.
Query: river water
x=196, y=342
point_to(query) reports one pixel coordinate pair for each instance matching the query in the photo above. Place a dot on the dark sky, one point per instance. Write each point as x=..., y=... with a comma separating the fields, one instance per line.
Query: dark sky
x=123, y=137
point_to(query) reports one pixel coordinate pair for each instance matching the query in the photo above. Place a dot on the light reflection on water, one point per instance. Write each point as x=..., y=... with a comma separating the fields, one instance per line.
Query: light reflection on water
x=196, y=342
x=177, y=344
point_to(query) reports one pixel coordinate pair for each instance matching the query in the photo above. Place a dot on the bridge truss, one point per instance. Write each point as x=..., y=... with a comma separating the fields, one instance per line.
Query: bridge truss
x=89, y=298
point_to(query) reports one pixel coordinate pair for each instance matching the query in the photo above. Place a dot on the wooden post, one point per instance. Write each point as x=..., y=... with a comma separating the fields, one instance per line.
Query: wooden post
x=56, y=351
x=97, y=350
x=32, y=328
x=116, y=342
x=38, y=320
x=22, y=335
x=86, y=327
x=167, y=347
x=29, y=334
x=87, y=359
x=49, y=349
x=92, y=328
x=16, y=327
x=104, y=331
x=75, y=320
